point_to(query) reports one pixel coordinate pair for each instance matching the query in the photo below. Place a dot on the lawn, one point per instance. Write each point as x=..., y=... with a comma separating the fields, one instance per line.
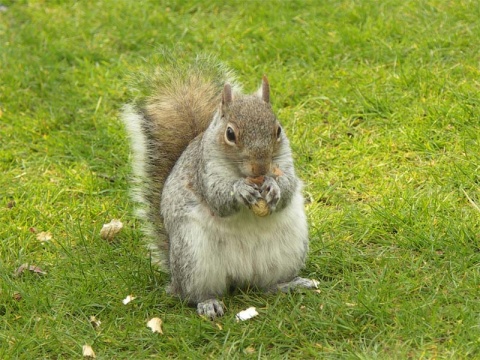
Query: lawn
x=381, y=102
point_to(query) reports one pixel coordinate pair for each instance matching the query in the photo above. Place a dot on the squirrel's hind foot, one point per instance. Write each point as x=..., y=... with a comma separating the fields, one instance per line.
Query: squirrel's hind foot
x=296, y=283
x=210, y=308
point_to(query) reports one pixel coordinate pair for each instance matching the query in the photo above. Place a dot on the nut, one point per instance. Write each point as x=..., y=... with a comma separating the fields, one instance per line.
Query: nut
x=256, y=180
x=260, y=208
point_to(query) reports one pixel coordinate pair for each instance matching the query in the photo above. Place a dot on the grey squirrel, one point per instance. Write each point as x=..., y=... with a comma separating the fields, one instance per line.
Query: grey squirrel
x=204, y=155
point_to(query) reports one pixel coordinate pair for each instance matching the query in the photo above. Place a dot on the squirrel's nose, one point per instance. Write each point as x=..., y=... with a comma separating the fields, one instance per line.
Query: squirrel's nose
x=259, y=168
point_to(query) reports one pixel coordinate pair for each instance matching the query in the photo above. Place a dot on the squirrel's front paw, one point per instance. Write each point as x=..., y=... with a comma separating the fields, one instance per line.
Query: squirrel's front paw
x=270, y=191
x=246, y=192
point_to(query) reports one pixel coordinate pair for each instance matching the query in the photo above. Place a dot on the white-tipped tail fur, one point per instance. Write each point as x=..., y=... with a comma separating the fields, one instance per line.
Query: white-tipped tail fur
x=133, y=120
x=138, y=144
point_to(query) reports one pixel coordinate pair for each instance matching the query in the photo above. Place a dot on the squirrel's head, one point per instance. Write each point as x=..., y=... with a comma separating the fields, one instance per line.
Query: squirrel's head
x=251, y=136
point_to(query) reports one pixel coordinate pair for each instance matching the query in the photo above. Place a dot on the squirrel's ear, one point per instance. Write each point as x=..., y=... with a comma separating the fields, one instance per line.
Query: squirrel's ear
x=227, y=95
x=264, y=91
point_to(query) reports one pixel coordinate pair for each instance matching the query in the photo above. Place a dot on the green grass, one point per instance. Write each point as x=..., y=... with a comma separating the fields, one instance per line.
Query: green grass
x=381, y=103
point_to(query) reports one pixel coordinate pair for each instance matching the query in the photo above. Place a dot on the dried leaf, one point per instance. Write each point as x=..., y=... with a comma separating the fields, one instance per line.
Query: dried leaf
x=110, y=230
x=17, y=296
x=95, y=322
x=44, y=236
x=246, y=314
x=249, y=350
x=128, y=299
x=156, y=325
x=33, y=268
x=11, y=204
x=33, y=230
x=88, y=351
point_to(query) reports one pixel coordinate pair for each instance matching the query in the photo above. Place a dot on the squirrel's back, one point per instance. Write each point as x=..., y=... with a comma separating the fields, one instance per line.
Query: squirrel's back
x=175, y=103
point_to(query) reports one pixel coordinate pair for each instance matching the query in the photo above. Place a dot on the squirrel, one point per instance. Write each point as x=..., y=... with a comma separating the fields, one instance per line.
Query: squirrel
x=204, y=155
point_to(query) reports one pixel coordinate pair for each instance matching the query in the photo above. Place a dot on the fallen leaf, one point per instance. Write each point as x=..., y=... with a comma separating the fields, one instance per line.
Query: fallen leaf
x=33, y=268
x=17, y=296
x=95, y=322
x=156, y=325
x=33, y=230
x=88, y=351
x=128, y=299
x=249, y=350
x=246, y=314
x=110, y=230
x=44, y=236
x=11, y=204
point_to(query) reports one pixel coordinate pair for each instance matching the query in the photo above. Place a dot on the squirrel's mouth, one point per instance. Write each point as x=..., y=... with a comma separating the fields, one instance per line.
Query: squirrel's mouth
x=258, y=168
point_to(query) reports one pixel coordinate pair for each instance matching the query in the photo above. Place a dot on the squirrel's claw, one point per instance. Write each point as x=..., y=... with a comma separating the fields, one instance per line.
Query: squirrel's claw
x=246, y=192
x=270, y=192
x=210, y=308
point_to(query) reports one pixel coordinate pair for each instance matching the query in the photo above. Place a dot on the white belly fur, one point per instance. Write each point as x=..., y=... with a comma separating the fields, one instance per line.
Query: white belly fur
x=247, y=250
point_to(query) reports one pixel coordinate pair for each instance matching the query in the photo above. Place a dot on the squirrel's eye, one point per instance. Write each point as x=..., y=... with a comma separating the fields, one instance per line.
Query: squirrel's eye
x=279, y=133
x=230, y=135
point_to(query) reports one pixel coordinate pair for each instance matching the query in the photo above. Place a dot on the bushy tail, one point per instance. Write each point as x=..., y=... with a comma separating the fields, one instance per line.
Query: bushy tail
x=175, y=103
